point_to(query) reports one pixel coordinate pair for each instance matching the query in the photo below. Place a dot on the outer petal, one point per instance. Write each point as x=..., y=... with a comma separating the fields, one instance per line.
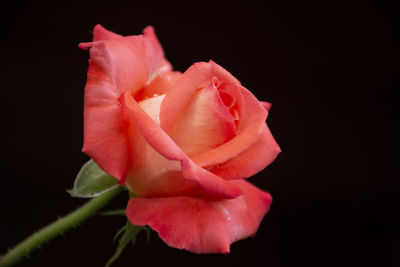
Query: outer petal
x=123, y=60
x=205, y=123
x=100, y=33
x=155, y=54
x=253, y=160
x=105, y=139
x=266, y=105
x=117, y=65
x=194, y=179
x=199, y=225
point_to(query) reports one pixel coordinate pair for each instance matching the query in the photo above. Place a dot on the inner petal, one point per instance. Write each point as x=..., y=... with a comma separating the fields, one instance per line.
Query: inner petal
x=159, y=85
x=228, y=100
x=228, y=94
x=152, y=107
x=205, y=123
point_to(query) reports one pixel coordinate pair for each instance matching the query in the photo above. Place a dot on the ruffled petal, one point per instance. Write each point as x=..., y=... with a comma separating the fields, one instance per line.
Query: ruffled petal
x=165, y=176
x=202, y=226
x=105, y=139
x=100, y=33
x=155, y=54
x=251, y=161
x=117, y=65
x=205, y=123
x=123, y=60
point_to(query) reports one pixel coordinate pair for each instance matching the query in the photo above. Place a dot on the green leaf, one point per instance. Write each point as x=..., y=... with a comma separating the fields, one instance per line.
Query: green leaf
x=92, y=181
x=129, y=235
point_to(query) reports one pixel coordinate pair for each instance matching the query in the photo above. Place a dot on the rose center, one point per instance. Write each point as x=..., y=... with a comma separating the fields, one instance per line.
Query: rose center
x=227, y=98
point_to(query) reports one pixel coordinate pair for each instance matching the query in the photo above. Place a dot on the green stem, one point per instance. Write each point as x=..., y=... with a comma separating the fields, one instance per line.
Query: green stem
x=56, y=228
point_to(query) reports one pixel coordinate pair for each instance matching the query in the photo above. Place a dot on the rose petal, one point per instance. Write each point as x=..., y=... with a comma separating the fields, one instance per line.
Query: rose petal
x=117, y=65
x=123, y=60
x=152, y=174
x=159, y=85
x=197, y=76
x=205, y=123
x=155, y=54
x=251, y=161
x=233, y=99
x=100, y=33
x=199, y=225
x=266, y=105
x=222, y=73
x=104, y=137
x=252, y=119
x=252, y=114
x=206, y=184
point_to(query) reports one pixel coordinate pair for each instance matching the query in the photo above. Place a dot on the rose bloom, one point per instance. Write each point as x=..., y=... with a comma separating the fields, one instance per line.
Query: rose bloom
x=183, y=143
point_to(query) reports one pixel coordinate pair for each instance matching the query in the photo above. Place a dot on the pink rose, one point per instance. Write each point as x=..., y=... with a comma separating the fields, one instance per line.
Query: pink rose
x=183, y=143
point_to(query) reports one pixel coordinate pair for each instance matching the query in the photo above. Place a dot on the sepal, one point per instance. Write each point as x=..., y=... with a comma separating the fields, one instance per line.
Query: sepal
x=92, y=181
x=127, y=234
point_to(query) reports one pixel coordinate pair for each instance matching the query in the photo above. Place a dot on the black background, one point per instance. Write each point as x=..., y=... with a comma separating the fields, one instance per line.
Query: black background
x=330, y=69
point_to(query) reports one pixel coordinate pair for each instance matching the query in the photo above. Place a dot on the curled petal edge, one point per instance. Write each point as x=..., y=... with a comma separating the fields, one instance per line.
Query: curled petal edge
x=202, y=226
x=210, y=185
